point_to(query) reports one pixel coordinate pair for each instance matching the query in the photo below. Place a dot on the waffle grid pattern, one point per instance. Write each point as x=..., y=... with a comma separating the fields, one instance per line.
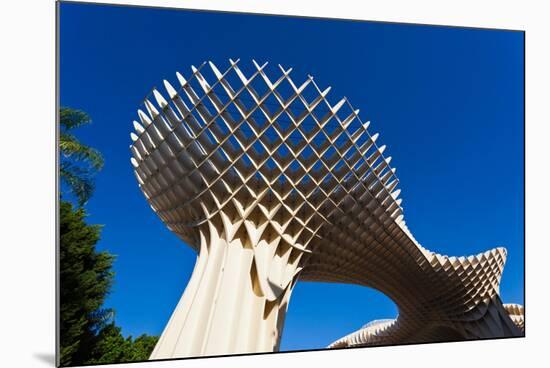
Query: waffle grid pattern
x=269, y=178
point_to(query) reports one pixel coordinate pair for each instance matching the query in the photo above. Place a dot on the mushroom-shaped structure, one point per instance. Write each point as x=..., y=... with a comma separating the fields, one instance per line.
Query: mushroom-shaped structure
x=272, y=183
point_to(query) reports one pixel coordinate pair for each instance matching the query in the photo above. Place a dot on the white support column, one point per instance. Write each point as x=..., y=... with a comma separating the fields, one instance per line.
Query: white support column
x=237, y=297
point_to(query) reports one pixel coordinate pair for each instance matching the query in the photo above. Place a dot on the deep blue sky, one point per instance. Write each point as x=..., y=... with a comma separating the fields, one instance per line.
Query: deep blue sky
x=448, y=103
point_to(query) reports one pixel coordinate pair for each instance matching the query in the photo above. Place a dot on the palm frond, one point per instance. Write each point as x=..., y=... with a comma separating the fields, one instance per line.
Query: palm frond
x=72, y=118
x=78, y=161
x=71, y=147
x=78, y=180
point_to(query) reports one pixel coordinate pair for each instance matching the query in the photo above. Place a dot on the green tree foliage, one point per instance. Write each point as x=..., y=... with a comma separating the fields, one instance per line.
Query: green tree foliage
x=88, y=333
x=85, y=279
x=113, y=347
x=78, y=162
